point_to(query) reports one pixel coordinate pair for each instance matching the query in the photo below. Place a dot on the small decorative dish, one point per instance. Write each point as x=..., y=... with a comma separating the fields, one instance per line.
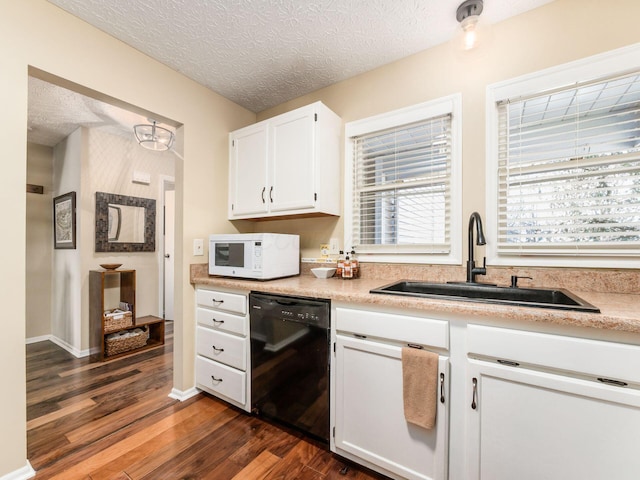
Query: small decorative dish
x=323, y=272
x=110, y=266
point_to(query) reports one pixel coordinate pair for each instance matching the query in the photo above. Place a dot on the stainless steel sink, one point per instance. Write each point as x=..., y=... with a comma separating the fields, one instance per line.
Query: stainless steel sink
x=477, y=292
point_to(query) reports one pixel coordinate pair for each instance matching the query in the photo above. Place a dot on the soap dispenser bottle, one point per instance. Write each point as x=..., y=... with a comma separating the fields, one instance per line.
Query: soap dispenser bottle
x=355, y=265
x=347, y=271
x=340, y=265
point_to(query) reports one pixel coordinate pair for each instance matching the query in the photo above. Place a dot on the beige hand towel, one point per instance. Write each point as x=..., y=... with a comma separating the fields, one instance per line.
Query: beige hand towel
x=420, y=386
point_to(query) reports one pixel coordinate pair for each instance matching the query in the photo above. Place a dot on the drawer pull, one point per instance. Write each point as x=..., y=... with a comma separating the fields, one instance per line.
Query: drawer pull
x=218, y=350
x=217, y=321
x=219, y=302
x=215, y=379
x=615, y=383
x=474, y=395
x=508, y=363
x=442, y=388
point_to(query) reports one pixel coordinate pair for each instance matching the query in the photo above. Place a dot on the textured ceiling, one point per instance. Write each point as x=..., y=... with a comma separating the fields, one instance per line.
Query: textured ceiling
x=55, y=112
x=257, y=53
x=260, y=53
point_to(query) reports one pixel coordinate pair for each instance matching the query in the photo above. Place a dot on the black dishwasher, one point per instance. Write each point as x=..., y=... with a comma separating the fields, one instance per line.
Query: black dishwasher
x=290, y=338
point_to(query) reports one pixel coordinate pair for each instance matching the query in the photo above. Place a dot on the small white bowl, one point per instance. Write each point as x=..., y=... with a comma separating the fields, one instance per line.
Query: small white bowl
x=323, y=272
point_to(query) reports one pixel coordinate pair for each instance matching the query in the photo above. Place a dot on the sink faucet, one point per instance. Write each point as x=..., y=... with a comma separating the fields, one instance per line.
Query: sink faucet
x=472, y=270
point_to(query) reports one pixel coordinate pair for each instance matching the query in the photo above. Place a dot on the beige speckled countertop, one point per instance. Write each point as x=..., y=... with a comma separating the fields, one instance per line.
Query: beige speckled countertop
x=619, y=312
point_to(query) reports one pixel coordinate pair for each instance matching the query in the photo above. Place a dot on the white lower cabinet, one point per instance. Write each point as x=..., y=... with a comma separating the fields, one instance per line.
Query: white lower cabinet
x=551, y=407
x=512, y=404
x=222, y=345
x=369, y=422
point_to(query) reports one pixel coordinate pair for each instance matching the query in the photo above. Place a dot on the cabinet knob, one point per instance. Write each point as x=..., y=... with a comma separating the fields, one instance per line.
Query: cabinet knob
x=166, y=255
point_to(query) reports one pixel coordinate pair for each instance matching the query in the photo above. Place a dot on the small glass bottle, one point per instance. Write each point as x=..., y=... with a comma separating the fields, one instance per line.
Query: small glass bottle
x=355, y=265
x=340, y=265
x=347, y=271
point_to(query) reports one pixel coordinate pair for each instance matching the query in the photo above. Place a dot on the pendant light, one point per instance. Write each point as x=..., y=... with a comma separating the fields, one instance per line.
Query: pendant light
x=153, y=137
x=468, y=14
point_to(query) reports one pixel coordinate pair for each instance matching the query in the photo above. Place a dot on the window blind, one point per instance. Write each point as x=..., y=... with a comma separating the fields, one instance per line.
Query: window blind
x=569, y=170
x=402, y=188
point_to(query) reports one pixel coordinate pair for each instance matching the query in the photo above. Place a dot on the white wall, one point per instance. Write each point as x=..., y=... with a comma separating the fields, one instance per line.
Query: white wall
x=95, y=161
x=112, y=159
x=66, y=316
x=39, y=242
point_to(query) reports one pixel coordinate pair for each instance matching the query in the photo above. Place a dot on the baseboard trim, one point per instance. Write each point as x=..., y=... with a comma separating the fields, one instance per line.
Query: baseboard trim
x=62, y=344
x=21, y=474
x=41, y=338
x=182, y=395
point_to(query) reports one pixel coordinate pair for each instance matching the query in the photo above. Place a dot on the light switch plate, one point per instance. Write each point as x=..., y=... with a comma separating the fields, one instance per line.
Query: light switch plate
x=333, y=246
x=198, y=246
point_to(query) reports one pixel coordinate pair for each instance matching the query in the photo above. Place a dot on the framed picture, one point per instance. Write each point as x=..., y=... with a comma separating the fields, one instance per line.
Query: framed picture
x=64, y=221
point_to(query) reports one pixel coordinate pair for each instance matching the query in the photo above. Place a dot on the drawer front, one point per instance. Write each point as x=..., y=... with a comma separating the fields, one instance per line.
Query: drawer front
x=222, y=321
x=402, y=328
x=222, y=347
x=219, y=379
x=589, y=357
x=229, y=302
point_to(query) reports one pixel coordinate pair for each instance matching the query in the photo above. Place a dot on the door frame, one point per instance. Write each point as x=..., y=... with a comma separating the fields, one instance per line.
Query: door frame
x=165, y=181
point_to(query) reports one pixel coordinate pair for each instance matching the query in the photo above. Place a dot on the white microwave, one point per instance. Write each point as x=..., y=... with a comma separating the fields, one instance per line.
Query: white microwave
x=254, y=255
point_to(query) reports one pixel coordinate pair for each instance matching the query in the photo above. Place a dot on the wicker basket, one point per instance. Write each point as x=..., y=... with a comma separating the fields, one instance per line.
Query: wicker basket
x=127, y=340
x=117, y=320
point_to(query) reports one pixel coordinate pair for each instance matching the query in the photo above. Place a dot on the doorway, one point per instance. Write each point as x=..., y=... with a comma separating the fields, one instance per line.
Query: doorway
x=87, y=156
x=84, y=257
x=168, y=239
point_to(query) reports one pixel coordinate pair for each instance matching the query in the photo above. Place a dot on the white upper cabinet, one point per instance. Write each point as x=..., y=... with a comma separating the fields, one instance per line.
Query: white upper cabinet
x=248, y=171
x=286, y=165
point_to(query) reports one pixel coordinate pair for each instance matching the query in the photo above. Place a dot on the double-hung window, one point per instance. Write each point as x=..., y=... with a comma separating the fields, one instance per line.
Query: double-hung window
x=566, y=167
x=403, y=174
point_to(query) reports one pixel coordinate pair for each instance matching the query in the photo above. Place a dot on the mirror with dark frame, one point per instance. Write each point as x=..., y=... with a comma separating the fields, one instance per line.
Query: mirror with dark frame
x=124, y=223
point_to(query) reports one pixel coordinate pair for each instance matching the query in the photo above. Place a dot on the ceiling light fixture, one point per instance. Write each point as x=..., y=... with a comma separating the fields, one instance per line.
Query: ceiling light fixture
x=153, y=137
x=468, y=14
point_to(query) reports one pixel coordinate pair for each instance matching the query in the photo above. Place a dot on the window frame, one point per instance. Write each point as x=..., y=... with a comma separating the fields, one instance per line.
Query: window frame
x=601, y=66
x=452, y=105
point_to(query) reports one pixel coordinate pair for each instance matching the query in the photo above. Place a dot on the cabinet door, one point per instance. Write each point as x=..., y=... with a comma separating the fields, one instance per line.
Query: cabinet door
x=370, y=423
x=248, y=152
x=292, y=175
x=529, y=424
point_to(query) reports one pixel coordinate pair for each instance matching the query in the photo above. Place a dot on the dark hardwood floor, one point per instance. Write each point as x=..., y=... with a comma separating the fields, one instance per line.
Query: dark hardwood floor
x=114, y=420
